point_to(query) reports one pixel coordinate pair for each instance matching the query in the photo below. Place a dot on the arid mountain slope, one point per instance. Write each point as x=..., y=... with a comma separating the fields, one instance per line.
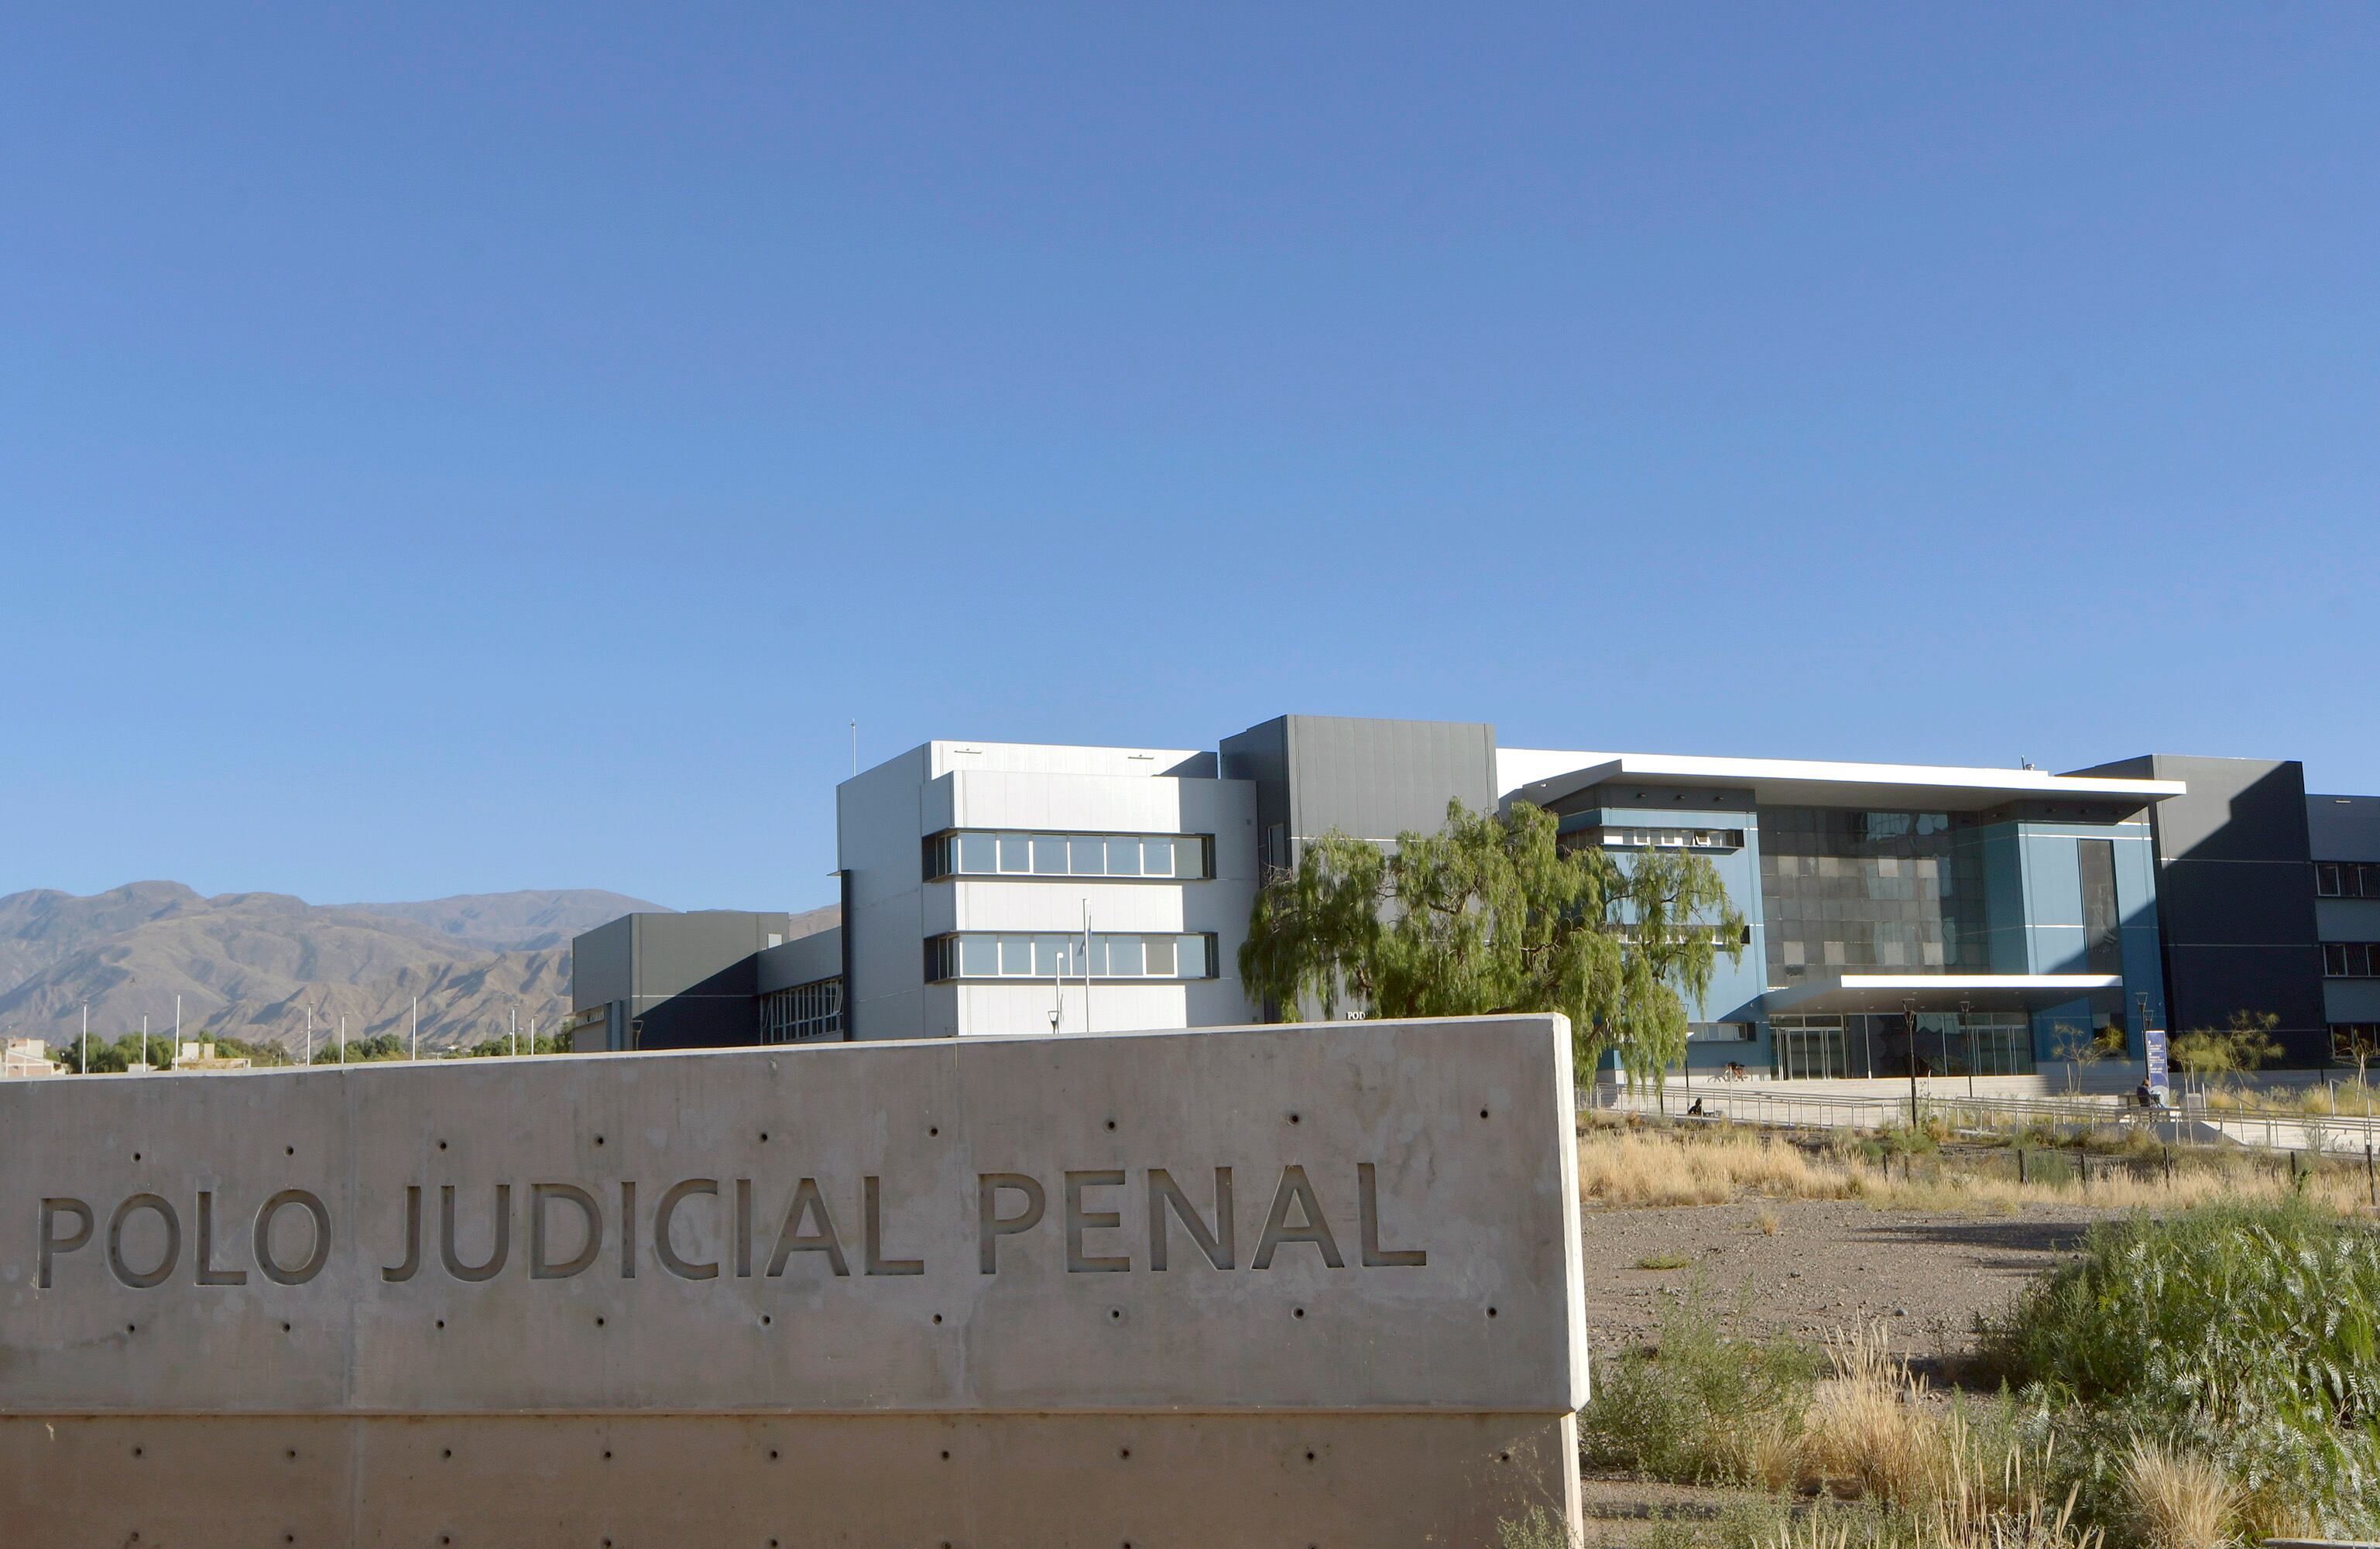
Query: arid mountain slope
x=252, y=965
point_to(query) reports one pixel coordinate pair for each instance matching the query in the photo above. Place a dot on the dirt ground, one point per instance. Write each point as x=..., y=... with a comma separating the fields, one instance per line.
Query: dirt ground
x=1829, y=1265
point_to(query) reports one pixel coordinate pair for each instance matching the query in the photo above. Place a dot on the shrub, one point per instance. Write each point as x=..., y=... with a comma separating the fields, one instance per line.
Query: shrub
x=2244, y=1334
x=1706, y=1405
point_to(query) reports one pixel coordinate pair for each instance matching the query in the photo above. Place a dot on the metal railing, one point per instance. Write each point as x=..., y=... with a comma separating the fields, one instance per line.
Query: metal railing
x=2336, y=1134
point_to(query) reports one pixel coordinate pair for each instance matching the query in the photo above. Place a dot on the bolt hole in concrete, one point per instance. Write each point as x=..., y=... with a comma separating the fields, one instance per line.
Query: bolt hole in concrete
x=1115, y=1315
x=1491, y=1312
x=764, y=1137
x=131, y=1328
x=136, y=1452
x=293, y=1454
x=1110, y=1123
x=764, y=1320
x=773, y=1455
x=441, y=1145
x=946, y=1457
x=599, y=1323
x=441, y=1323
x=1125, y=1453
x=1483, y=1113
x=607, y=1457
x=445, y=1452
x=1297, y=1312
x=285, y=1328
x=1293, y=1119
x=933, y=1129
x=1310, y=1457
x=938, y=1317
x=136, y=1155
x=599, y=1140
x=292, y=1151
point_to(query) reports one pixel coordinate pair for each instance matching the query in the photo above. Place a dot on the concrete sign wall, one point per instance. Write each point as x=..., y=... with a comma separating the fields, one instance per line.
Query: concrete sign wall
x=1311, y=1285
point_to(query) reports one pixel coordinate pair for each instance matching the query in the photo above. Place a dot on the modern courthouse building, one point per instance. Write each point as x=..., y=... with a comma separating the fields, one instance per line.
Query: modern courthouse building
x=1969, y=919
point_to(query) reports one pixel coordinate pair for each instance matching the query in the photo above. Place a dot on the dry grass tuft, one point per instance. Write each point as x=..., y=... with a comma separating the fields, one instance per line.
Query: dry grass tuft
x=2183, y=1501
x=1632, y=1167
x=1865, y=1433
x=1712, y=1166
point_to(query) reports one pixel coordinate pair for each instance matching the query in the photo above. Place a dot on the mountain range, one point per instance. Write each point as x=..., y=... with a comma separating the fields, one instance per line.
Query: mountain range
x=254, y=965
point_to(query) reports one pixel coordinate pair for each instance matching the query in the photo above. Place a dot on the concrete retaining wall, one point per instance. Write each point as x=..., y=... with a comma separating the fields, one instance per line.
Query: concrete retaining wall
x=969, y=1292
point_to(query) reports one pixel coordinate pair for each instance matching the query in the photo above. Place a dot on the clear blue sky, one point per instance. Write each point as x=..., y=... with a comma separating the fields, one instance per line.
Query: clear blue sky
x=455, y=452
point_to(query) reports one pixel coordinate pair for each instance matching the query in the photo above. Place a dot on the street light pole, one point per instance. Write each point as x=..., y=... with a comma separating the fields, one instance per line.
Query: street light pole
x=1908, y=1010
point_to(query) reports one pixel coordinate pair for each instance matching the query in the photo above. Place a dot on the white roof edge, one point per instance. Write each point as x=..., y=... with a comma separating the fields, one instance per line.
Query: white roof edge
x=1752, y=772
x=1981, y=981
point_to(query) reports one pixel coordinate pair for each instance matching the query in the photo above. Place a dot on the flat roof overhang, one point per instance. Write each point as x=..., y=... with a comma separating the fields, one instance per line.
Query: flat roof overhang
x=1801, y=783
x=1936, y=992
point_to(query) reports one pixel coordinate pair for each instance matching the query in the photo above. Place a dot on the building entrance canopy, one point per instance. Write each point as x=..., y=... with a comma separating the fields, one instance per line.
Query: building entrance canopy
x=1982, y=992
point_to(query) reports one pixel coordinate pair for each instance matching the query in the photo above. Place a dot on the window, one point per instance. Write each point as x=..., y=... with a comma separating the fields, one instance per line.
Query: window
x=2351, y=960
x=1110, y=955
x=1867, y=1044
x=2351, y=1039
x=1609, y=837
x=1855, y=892
x=806, y=1013
x=1170, y=857
x=2347, y=879
x=2103, y=948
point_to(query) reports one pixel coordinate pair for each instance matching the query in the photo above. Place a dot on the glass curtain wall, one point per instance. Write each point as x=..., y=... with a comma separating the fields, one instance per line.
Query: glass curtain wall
x=1868, y=1044
x=1848, y=892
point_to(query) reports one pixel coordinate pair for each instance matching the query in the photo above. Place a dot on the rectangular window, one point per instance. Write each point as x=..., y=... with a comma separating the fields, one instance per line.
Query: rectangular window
x=2103, y=947
x=2347, y=879
x=2351, y=960
x=1111, y=955
x=978, y=852
x=803, y=1014
x=1185, y=857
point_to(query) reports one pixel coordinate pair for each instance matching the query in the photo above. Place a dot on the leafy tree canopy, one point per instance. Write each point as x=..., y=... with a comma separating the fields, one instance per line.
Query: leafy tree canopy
x=1490, y=914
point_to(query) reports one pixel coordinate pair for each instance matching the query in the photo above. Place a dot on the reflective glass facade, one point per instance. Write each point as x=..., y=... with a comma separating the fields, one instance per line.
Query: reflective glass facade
x=1981, y=1042
x=1849, y=891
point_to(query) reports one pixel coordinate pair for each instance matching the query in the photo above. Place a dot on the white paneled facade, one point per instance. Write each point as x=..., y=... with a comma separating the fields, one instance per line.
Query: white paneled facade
x=996, y=943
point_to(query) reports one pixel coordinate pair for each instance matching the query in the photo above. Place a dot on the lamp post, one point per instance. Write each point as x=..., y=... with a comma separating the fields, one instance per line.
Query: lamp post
x=1909, y=1011
x=1967, y=1021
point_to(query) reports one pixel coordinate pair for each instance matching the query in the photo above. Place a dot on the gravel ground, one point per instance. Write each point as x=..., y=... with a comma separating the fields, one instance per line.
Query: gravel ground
x=1828, y=1264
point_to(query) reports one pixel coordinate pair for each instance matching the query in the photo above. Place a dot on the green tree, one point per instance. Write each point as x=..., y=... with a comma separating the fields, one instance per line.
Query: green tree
x=2208, y=1054
x=1491, y=914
